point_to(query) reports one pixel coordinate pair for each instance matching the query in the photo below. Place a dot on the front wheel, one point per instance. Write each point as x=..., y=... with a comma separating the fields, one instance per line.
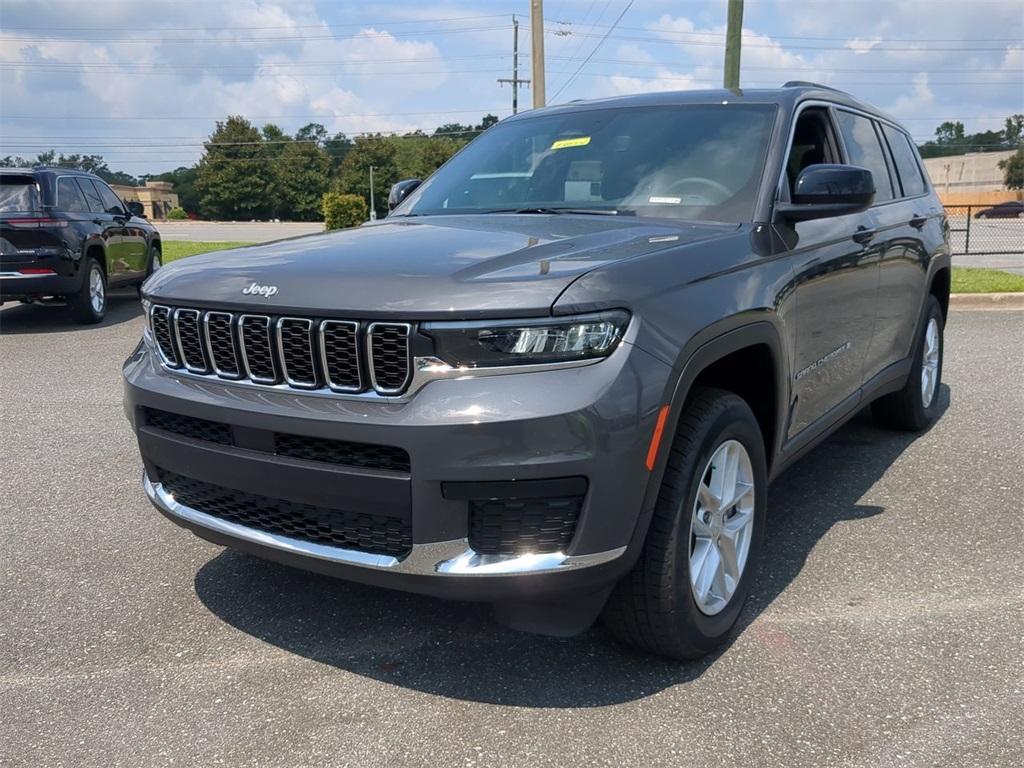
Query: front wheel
x=916, y=407
x=153, y=263
x=89, y=305
x=685, y=593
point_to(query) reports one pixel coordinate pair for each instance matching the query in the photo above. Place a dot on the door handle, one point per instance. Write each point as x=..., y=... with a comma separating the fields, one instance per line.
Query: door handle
x=863, y=235
x=918, y=221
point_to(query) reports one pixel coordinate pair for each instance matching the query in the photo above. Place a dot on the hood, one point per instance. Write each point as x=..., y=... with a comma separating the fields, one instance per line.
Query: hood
x=435, y=267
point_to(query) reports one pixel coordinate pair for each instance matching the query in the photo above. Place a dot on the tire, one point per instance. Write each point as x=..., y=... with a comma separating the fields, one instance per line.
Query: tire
x=916, y=407
x=89, y=305
x=154, y=260
x=655, y=607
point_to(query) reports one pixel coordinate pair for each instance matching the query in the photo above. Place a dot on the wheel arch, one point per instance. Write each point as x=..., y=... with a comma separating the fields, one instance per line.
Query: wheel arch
x=708, y=360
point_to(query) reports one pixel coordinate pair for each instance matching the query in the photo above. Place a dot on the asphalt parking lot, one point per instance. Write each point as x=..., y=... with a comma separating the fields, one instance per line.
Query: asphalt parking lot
x=886, y=629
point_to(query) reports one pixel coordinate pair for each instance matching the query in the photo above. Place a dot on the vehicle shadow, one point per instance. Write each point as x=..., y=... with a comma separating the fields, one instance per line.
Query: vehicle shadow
x=456, y=650
x=122, y=305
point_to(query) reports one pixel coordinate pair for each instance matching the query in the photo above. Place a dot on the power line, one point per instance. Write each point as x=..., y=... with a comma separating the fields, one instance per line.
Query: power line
x=366, y=35
x=651, y=39
x=574, y=75
x=713, y=34
x=112, y=65
x=297, y=26
x=222, y=116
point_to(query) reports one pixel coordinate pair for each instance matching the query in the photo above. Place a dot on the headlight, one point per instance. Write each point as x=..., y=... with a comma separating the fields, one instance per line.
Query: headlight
x=522, y=342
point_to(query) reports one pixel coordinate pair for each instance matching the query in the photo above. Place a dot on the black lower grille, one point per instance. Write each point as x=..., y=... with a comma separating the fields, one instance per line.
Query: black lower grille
x=341, y=452
x=376, y=534
x=325, y=449
x=522, y=526
x=188, y=426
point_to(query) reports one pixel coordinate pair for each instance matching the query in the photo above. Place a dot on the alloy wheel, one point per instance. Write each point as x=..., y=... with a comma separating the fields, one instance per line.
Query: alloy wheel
x=930, y=362
x=97, y=293
x=721, y=527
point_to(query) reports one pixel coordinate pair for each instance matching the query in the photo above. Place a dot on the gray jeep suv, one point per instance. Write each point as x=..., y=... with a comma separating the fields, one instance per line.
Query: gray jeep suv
x=559, y=377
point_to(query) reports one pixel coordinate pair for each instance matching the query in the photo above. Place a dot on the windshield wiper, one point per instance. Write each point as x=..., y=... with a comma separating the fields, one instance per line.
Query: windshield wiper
x=543, y=210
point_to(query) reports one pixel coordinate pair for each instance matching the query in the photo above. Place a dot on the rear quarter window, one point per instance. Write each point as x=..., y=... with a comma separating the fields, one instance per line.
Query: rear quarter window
x=69, y=196
x=92, y=197
x=906, y=162
x=18, y=194
x=864, y=149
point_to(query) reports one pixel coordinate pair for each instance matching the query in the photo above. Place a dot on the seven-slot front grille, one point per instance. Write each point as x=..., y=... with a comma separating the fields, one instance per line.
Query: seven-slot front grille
x=305, y=353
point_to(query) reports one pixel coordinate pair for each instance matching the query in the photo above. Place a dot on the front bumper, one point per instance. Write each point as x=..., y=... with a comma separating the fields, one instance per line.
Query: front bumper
x=593, y=422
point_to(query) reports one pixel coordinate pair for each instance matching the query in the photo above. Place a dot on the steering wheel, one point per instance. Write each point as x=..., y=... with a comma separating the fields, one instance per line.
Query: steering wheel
x=724, y=192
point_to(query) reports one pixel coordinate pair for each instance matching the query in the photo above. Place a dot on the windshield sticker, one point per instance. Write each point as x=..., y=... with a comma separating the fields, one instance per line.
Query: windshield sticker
x=668, y=200
x=580, y=141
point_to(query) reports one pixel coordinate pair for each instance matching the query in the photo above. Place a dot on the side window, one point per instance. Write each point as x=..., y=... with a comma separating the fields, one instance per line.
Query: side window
x=906, y=162
x=69, y=196
x=111, y=202
x=92, y=197
x=864, y=149
x=813, y=143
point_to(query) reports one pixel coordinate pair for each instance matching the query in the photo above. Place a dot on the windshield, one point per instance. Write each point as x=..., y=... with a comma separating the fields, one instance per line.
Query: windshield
x=693, y=162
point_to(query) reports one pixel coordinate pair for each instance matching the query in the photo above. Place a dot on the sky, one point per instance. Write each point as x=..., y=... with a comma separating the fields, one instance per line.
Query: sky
x=143, y=83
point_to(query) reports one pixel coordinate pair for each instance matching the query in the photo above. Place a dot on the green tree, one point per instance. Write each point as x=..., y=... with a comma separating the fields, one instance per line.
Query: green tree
x=354, y=173
x=234, y=175
x=301, y=176
x=312, y=132
x=337, y=147
x=1013, y=130
x=1013, y=170
x=950, y=132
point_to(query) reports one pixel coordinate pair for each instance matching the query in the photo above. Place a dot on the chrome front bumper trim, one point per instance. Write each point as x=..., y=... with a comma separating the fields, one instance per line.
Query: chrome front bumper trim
x=443, y=558
x=31, y=276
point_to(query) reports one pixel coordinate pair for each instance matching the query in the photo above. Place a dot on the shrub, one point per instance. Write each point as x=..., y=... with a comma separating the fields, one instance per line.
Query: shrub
x=341, y=210
x=177, y=214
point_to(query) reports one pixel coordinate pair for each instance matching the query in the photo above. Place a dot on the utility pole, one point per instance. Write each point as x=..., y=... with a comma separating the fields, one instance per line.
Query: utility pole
x=733, y=40
x=537, y=51
x=373, y=208
x=515, y=81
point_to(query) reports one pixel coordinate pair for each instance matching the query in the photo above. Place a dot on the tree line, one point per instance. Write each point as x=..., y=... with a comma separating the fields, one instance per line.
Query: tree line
x=258, y=173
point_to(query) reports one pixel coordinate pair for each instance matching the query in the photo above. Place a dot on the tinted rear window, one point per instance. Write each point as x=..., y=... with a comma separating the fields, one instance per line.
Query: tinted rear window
x=906, y=162
x=865, y=151
x=69, y=197
x=18, y=193
x=91, y=195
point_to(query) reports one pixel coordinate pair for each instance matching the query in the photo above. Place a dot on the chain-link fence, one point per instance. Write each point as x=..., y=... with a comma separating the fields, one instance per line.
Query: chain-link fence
x=978, y=230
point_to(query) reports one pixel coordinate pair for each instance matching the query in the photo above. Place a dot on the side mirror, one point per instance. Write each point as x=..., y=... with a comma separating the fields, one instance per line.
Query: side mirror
x=401, y=190
x=828, y=190
x=135, y=209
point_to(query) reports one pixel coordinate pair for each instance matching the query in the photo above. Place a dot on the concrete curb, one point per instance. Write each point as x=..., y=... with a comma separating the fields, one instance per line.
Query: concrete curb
x=986, y=301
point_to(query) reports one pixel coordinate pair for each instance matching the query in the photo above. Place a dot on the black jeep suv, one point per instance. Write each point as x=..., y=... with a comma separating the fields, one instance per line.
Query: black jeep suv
x=560, y=375
x=65, y=236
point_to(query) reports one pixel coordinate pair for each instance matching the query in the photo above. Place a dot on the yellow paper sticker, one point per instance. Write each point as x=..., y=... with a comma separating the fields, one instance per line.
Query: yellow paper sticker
x=582, y=141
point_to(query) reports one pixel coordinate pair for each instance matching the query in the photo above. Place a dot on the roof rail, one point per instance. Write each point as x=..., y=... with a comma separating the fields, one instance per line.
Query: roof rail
x=809, y=84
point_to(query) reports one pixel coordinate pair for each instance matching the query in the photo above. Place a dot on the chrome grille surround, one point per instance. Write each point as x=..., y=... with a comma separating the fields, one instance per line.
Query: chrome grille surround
x=219, y=329
x=337, y=375
x=387, y=350
x=190, y=343
x=160, y=327
x=257, y=345
x=295, y=344
x=284, y=352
